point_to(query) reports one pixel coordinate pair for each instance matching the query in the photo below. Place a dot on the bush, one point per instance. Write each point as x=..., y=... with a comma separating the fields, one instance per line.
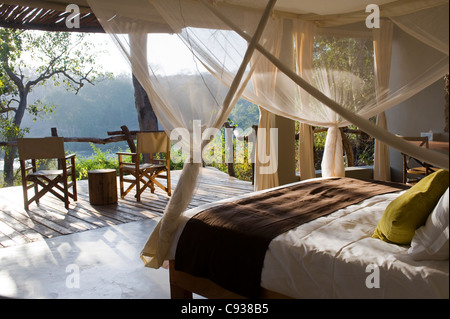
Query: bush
x=99, y=160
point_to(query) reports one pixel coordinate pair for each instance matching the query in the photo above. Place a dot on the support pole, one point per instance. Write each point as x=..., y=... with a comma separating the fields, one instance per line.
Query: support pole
x=253, y=44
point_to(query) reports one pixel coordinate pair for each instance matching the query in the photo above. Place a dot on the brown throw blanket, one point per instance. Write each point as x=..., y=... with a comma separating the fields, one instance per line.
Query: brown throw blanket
x=227, y=243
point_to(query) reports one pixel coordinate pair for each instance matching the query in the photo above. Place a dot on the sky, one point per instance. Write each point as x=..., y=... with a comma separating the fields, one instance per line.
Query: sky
x=113, y=60
x=171, y=55
x=166, y=54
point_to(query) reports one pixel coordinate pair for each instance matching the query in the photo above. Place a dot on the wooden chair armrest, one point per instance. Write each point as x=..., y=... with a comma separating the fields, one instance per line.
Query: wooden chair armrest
x=70, y=156
x=126, y=154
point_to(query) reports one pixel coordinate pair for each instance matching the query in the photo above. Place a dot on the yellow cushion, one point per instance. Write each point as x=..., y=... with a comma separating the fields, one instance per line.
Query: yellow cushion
x=410, y=210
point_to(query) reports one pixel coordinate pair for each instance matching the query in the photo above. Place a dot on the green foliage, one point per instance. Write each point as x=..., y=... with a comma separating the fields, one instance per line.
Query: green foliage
x=106, y=159
x=99, y=160
x=10, y=131
x=10, y=44
x=7, y=89
x=110, y=104
x=30, y=59
x=244, y=114
x=64, y=58
x=356, y=56
x=319, y=146
x=363, y=147
x=17, y=179
x=216, y=157
x=38, y=109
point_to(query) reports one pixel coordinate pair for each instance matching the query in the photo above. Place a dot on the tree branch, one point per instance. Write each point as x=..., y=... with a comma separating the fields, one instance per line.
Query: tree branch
x=46, y=74
x=80, y=82
x=17, y=81
x=50, y=72
x=7, y=109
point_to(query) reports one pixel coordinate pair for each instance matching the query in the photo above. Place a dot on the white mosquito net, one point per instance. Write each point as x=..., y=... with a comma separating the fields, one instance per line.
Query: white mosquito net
x=321, y=63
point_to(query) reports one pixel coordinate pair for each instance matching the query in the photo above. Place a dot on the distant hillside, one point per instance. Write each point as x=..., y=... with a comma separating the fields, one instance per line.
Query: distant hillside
x=105, y=107
x=91, y=113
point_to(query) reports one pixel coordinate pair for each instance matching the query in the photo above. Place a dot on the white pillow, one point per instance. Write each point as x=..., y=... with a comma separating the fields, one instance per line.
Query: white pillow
x=430, y=242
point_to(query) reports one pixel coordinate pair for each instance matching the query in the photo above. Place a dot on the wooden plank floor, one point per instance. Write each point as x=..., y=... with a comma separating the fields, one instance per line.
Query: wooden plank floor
x=50, y=219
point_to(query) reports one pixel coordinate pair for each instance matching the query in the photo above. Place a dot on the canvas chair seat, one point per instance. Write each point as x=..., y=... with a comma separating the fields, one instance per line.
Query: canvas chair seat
x=52, y=172
x=144, y=166
x=53, y=181
x=144, y=175
x=422, y=170
x=413, y=166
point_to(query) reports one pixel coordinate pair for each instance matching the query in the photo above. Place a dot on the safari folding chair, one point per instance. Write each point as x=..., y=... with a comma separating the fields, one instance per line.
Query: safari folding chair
x=413, y=166
x=142, y=168
x=54, y=181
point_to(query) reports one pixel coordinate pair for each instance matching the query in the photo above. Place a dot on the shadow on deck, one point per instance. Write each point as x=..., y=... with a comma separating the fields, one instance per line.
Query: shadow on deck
x=50, y=219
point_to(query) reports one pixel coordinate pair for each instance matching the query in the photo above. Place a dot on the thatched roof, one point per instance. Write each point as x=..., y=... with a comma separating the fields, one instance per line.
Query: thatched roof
x=31, y=15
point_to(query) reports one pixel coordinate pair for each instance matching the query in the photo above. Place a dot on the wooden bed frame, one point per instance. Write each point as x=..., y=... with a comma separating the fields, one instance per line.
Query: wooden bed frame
x=183, y=285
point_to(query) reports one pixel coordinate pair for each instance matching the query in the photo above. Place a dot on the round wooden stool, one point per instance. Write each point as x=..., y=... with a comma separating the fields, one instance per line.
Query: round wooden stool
x=102, y=186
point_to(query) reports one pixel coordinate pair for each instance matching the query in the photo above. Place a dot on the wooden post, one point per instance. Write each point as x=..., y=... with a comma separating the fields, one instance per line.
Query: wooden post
x=348, y=149
x=255, y=129
x=230, y=166
x=54, y=132
x=128, y=138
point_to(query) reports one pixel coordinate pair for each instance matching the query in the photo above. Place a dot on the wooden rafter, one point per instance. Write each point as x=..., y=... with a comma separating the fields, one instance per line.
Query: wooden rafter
x=29, y=18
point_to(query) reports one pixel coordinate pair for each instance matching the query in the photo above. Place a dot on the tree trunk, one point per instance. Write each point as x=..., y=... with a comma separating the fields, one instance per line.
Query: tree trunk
x=8, y=166
x=146, y=117
x=11, y=152
x=23, y=103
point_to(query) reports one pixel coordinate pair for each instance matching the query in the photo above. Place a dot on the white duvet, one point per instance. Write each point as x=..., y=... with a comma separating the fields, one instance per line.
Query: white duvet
x=335, y=257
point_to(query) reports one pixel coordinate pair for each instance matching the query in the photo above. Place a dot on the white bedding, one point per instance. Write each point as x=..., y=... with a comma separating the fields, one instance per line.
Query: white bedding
x=329, y=258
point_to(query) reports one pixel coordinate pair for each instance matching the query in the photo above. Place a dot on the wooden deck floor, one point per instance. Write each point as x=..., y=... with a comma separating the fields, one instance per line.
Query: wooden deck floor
x=50, y=219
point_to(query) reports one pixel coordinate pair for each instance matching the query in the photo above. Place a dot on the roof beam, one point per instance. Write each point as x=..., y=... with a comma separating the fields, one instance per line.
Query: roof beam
x=28, y=17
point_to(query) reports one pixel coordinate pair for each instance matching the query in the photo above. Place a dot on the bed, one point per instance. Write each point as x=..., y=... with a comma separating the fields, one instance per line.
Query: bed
x=332, y=255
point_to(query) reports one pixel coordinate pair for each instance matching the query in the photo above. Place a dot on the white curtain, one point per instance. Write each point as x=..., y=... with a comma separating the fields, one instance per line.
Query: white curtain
x=219, y=40
x=266, y=165
x=381, y=162
x=382, y=38
x=304, y=41
x=306, y=152
x=420, y=25
x=210, y=102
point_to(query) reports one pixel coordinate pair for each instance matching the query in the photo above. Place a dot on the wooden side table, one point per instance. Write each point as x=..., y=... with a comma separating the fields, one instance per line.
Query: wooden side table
x=102, y=186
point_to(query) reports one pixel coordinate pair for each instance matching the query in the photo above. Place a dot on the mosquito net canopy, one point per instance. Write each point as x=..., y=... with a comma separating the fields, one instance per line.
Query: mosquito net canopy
x=325, y=63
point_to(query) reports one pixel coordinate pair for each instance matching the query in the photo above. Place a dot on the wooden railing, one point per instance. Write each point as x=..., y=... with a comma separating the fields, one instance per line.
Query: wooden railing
x=116, y=136
x=119, y=136
x=129, y=136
